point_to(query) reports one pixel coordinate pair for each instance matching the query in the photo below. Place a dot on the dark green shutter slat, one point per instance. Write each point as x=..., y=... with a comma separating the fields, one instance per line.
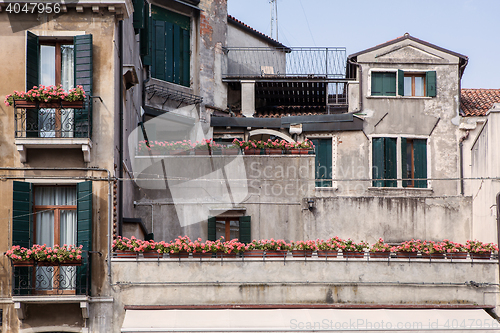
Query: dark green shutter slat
x=144, y=36
x=401, y=82
x=162, y=14
x=391, y=171
x=211, y=229
x=420, y=162
x=84, y=232
x=84, y=78
x=430, y=82
x=389, y=84
x=185, y=60
x=404, y=170
x=177, y=42
x=245, y=229
x=378, y=162
x=22, y=218
x=138, y=14
x=32, y=59
x=169, y=52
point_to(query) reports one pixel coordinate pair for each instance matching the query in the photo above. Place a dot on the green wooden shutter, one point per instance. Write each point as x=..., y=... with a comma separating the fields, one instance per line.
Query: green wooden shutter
x=22, y=232
x=420, y=162
x=401, y=83
x=430, y=82
x=245, y=229
x=83, y=77
x=404, y=169
x=22, y=220
x=211, y=229
x=378, y=162
x=144, y=36
x=323, y=162
x=149, y=56
x=84, y=233
x=32, y=59
x=377, y=84
x=389, y=84
x=391, y=171
x=177, y=53
x=158, y=59
x=138, y=14
x=185, y=60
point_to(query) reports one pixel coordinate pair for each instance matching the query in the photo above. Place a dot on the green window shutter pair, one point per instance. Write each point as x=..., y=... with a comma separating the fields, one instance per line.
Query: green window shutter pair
x=82, y=74
x=384, y=163
x=169, y=46
x=430, y=83
x=22, y=225
x=383, y=84
x=245, y=229
x=323, y=162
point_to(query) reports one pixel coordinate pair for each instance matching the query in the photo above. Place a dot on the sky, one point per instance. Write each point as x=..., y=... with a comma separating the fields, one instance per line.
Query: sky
x=468, y=27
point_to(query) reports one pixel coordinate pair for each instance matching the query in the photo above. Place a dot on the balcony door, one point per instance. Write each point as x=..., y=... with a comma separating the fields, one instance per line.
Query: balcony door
x=56, y=68
x=55, y=223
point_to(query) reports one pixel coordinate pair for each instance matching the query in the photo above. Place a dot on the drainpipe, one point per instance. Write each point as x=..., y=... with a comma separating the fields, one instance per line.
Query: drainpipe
x=352, y=62
x=120, y=139
x=498, y=227
x=461, y=146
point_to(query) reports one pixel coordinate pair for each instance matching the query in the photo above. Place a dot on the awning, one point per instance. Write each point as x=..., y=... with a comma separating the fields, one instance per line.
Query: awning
x=310, y=320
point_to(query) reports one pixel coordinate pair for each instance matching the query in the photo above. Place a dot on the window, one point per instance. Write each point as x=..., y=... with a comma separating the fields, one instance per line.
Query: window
x=413, y=162
x=383, y=84
x=323, y=162
x=67, y=63
x=230, y=227
x=169, y=46
x=406, y=83
x=52, y=215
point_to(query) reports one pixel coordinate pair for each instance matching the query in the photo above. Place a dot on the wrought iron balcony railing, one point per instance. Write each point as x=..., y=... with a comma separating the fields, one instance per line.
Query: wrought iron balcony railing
x=42, y=278
x=52, y=123
x=309, y=62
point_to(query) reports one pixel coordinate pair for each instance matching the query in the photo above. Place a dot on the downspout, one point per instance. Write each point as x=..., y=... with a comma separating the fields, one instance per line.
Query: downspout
x=120, y=138
x=461, y=147
x=360, y=71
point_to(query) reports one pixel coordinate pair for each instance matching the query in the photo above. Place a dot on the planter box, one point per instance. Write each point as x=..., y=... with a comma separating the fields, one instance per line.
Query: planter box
x=480, y=256
x=327, y=254
x=253, y=254
x=23, y=263
x=352, y=254
x=275, y=254
x=302, y=253
x=380, y=255
x=50, y=105
x=456, y=255
x=60, y=263
x=433, y=256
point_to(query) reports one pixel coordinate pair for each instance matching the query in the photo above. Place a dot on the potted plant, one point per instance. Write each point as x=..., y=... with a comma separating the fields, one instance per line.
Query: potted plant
x=254, y=249
x=304, y=147
x=303, y=248
x=329, y=248
x=232, y=149
x=203, y=147
x=47, y=97
x=203, y=249
x=274, y=147
x=275, y=248
x=407, y=249
x=350, y=249
x=432, y=250
x=380, y=249
x=20, y=256
x=181, y=247
x=178, y=147
x=480, y=250
x=454, y=250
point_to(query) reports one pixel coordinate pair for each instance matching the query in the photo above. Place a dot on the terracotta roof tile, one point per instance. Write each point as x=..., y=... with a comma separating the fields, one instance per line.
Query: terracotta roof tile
x=476, y=102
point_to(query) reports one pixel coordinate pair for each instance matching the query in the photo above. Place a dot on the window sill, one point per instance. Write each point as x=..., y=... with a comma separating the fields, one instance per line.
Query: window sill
x=23, y=144
x=409, y=191
x=399, y=97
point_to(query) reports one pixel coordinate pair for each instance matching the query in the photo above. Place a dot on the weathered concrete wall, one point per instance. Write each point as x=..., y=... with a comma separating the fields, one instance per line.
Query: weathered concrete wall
x=295, y=281
x=485, y=163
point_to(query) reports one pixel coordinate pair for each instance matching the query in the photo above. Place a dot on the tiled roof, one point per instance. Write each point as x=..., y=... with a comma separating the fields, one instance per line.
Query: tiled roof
x=255, y=32
x=476, y=102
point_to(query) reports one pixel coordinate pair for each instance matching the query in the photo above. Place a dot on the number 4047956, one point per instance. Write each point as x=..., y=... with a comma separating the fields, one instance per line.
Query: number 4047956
x=33, y=8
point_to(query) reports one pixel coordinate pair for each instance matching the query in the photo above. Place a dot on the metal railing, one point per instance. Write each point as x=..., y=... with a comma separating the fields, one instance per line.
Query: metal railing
x=310, y=62
x=52, y=123
x=41, y=278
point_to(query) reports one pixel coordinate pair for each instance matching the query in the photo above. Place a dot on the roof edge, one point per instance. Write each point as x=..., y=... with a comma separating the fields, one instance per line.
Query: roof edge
x=240, y=24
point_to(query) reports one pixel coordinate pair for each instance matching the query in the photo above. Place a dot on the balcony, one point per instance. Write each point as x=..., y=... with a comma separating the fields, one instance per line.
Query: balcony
x=47, y=279
x=52, y=125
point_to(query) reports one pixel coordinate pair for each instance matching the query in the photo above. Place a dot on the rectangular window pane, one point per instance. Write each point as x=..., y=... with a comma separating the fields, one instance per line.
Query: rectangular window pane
x=220, y=229
x=47, y=68
x=419, y=86
x=407, y=86
x=67, y=67
x=234, y=229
